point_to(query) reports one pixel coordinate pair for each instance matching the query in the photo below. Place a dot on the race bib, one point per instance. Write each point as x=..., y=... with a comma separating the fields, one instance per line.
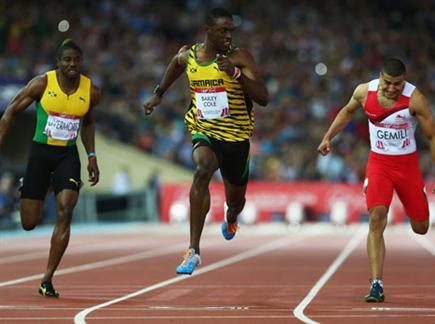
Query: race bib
x=62, y=127
x=211, y=103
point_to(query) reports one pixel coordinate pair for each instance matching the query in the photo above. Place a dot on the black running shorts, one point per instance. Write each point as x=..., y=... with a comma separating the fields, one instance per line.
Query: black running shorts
x=233, y=157
x=58, y=166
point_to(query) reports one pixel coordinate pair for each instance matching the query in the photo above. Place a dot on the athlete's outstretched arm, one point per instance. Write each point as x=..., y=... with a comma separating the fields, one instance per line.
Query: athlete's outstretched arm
x=343, y=118
x=175, y=68
x=88, y=136
x=25, y=96
x=250, y=79
x=419, y=106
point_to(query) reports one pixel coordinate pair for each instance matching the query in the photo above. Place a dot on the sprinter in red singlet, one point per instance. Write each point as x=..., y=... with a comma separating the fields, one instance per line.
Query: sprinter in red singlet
x=393, y=107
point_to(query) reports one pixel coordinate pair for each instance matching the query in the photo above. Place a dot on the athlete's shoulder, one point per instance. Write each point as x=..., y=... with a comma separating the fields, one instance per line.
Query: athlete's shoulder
x=361, y=90
x=95, y=95
x=409, y=89
x=417, y=101
x=40, y=79
x=183, y=54
x=37, y=85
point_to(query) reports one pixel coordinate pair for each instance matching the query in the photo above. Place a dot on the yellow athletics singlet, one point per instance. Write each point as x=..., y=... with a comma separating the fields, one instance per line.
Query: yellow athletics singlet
x=58, y=116
x=219, y=108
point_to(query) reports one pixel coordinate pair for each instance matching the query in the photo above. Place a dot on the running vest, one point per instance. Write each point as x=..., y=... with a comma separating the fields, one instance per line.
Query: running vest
x=219, y=108
x=391, y=130
x=58, y=116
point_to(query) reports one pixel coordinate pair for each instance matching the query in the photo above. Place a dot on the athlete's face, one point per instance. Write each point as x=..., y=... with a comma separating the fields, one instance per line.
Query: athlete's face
x=391, y=87
x=70, y=63
x=221, y=33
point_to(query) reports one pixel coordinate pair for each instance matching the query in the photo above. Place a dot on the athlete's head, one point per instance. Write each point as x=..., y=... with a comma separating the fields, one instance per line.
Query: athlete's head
x=69, y=59
x=392, y=78
x=219, y=26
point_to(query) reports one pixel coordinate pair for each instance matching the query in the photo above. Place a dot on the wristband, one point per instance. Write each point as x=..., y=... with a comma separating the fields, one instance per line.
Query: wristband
x=237, y=73
x=158, y=91
x=92, y=156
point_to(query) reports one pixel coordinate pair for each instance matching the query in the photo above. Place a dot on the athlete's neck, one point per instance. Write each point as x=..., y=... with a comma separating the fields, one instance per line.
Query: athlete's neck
x=67, y=85
x=208, y=51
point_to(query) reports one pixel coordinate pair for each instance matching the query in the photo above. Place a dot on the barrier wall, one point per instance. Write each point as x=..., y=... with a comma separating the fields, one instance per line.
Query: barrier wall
x=318, y=201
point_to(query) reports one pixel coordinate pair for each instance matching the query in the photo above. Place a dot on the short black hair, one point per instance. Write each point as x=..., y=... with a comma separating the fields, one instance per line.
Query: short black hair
x=67, y=44
x=215, y=14
x=394, y=67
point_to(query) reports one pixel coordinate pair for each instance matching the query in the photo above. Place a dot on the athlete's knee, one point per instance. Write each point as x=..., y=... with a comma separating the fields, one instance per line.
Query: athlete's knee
x=377, y=220
x=29, y=221
x=420, y=228
x=236, y=206
x=65, y=212
x=203, y=173
x=420, y=231
x=31, y=214
x=28, y=225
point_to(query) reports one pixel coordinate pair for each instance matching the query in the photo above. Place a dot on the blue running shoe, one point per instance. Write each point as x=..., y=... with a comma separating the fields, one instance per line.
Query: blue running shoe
x=229, y=230
x=190, y=262
x=376, y=294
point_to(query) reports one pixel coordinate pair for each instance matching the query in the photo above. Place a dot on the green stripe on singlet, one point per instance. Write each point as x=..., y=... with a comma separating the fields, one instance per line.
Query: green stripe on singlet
x=201, y=136
x=41, y=122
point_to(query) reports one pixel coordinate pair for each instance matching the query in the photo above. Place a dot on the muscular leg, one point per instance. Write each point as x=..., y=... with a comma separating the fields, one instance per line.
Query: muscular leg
x=235, y=198
x=206, y=164
x=375, y=240
x=420, y=227
x=31, y=213
x=65, y=203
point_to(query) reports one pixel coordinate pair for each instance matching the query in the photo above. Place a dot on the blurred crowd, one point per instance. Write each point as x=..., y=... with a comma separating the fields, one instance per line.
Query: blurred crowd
x=312, y=55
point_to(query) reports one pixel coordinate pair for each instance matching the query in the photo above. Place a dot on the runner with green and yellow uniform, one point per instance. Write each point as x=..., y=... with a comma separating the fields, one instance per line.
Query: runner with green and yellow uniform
x=223, y=81
x=64, y=104
x=58, y=115
x=219, y=107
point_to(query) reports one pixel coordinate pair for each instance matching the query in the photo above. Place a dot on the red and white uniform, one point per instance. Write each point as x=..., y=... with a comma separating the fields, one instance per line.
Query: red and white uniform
x=393, y=160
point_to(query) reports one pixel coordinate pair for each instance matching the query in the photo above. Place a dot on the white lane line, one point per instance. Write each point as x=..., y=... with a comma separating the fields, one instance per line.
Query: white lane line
x=424, y=242
x=110, y=319
x=24, y=257
x=104, y=263
x=80, y=318
x=76, y=249
x=353, y=243
x=397, y=309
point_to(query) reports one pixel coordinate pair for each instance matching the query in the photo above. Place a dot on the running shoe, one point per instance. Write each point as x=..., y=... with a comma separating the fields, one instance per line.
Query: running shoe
x=47, y=289
x=229, y=230
x=191, y=260
x=376, y=294
x=20, y=184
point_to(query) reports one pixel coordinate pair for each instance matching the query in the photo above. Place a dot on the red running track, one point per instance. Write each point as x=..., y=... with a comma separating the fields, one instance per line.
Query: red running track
x=267, y=274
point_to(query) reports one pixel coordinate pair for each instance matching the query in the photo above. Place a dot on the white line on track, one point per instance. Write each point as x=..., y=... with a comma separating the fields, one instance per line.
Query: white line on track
x=80, y=318
x=424, y=242
x=75, y=249
x=353, y=243
x=104, y=263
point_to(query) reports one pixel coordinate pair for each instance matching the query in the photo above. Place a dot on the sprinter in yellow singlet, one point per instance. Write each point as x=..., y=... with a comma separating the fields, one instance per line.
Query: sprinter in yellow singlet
x=65, y=100
x=223, y=80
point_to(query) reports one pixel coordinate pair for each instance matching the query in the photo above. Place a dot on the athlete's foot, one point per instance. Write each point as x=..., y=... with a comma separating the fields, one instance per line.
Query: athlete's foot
x=229, y=230
x=190, y=261
x=46, y=289
x=20, y=184
x=376, y=294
